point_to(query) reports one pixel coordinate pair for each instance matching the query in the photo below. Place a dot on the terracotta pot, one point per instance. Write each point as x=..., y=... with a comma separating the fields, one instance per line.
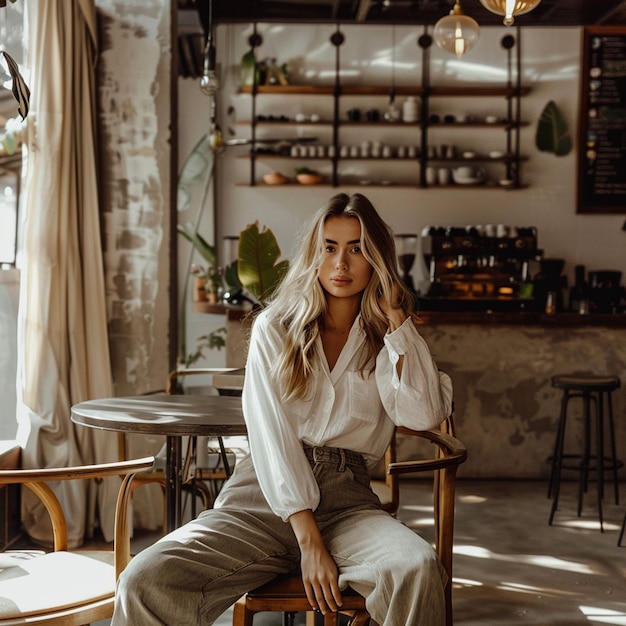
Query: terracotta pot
x=199, y=293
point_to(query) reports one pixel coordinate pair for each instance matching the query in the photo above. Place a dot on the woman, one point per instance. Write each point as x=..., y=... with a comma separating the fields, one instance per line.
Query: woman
x=335, y=361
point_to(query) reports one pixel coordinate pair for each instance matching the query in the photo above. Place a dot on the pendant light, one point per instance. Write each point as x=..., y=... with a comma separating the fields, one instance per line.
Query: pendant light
x=209, y=83
x=456, y=33
x=509, y=8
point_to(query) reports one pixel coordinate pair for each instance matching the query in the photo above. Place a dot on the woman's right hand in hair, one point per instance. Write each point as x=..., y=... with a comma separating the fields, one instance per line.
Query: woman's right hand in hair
x=319, y=570
x=396, y=316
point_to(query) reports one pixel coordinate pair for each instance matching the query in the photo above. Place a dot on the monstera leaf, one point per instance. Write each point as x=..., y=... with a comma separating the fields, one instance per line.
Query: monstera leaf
x=258, y=267
x=552, y=132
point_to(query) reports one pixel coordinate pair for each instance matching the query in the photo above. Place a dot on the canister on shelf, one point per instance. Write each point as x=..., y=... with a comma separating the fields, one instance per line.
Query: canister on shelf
x=410, y=110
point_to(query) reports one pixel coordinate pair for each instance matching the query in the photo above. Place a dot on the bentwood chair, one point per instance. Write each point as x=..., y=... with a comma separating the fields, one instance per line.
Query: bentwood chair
x=286, y=593
x=62, y=588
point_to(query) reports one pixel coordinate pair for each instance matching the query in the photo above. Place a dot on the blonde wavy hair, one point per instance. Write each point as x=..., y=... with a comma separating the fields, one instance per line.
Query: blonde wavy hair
x=299, y=304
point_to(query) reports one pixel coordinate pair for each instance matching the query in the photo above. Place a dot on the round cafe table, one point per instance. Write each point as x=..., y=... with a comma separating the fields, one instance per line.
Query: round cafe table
x=174, y=416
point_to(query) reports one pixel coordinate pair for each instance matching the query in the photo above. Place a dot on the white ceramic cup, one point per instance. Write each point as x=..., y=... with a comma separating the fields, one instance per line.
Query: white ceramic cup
x=431, y=176
x=443, y=176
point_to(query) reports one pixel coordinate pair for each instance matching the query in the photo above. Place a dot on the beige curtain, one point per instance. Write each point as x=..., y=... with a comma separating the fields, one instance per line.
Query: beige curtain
x=62, y=317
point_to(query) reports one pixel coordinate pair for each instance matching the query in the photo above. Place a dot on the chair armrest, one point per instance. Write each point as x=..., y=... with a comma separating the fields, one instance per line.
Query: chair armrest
x=23, y=476
x=452, y=452
x=36, y=479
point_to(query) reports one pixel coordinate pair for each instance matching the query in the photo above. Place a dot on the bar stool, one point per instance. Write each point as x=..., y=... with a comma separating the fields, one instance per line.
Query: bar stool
x=590, y=389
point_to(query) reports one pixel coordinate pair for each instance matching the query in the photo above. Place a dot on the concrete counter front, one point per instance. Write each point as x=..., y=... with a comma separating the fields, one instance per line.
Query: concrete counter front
x=501, y=366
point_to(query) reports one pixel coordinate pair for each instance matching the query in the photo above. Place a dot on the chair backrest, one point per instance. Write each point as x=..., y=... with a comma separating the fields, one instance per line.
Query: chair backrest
x=226, y=380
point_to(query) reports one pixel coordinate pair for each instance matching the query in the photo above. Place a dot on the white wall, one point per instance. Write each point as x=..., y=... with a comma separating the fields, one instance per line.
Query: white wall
x=550, y=62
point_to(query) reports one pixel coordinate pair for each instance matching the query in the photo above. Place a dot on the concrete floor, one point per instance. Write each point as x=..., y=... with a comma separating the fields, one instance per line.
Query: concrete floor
x=510, y=567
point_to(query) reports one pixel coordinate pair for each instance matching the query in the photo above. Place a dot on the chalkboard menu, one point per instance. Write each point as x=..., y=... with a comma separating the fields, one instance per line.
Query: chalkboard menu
x=602, y=133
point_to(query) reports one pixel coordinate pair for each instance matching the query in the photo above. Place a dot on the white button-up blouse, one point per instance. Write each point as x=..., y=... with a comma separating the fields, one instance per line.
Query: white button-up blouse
x=344, y=409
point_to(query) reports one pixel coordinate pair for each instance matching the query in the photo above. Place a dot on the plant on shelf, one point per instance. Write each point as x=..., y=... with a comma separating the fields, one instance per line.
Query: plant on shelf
x=306, y=176
x=209, y=279
x=256, y=272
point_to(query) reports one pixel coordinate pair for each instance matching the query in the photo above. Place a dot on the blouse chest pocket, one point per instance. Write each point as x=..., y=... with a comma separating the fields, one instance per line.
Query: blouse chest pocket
x=363, y=397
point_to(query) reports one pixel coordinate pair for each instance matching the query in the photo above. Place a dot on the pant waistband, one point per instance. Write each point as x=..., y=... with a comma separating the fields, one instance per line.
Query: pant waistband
x=340, y=456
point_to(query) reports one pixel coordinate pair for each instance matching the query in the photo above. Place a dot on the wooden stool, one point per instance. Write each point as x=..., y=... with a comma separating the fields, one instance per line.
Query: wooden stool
x=590, y=389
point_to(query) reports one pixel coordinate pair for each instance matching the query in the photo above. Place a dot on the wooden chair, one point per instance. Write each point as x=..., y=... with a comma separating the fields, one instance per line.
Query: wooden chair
x=65, y=588
x=286, y=593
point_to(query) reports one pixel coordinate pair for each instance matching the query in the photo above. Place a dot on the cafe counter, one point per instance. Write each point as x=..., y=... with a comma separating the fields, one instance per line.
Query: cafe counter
x=501, y=365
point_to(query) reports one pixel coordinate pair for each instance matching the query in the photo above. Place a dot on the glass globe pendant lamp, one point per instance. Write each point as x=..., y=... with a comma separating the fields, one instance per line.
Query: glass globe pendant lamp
x=456, y=33
x=209, y=83
x=509, y=8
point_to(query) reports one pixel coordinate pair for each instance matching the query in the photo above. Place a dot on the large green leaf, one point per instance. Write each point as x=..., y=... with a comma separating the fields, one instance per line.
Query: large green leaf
x=202, y=246
x=258, y=267
x=552, y=132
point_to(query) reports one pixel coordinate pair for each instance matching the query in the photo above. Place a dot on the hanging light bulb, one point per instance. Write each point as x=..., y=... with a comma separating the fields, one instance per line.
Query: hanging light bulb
x=456, y=32
x=509, y=8
x=209, y=83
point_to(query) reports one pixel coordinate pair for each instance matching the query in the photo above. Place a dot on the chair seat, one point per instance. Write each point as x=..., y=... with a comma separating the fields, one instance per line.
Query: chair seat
x=289, y=594
x=585, y=382
x=54, y=581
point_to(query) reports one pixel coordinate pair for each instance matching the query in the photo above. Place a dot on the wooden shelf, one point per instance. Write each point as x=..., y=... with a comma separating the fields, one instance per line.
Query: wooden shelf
x=416, y=134
x=373, y=90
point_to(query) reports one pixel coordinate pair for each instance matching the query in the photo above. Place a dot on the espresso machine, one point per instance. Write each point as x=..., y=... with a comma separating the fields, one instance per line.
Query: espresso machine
x=481, y=268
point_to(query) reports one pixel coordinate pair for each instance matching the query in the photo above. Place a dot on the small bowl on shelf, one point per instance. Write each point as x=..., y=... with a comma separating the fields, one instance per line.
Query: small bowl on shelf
x=309, y=179
x=275, y=178
x=468, y=175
